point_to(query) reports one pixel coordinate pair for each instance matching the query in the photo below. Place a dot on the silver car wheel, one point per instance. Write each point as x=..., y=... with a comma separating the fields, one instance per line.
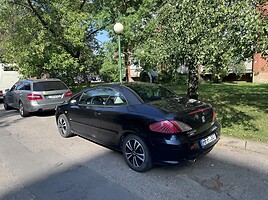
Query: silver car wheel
x=62, y=126
x=135, y=152
x=22, y=111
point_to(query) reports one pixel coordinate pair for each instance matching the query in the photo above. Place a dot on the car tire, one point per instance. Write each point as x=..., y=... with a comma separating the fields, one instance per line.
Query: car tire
x=6, y=106
x=64, y=126
x=23, y=112
x=136, y=153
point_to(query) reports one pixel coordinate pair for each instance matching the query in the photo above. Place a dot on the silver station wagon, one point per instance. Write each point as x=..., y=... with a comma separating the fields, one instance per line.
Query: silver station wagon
x=34, y=95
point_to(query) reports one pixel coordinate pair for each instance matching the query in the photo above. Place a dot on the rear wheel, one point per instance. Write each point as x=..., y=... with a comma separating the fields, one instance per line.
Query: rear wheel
x=23, y=112
x=136, y=153
x=64, y=126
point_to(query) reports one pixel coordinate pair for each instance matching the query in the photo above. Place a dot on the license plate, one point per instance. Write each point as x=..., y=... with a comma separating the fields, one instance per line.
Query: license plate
x=53, y=96
x=208, y=140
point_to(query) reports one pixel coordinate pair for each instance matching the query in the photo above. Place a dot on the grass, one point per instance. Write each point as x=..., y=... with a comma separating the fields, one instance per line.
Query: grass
x=242, y=108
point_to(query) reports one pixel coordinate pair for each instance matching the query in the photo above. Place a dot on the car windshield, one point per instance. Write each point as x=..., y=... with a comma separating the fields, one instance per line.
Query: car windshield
x=49, y=86
x=151, y=92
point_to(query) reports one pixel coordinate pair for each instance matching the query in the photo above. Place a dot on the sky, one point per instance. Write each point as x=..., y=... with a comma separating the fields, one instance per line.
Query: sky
x=103, y=36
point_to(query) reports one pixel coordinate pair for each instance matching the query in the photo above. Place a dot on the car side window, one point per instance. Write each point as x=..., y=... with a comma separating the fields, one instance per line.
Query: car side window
x=93, y=97
x=24, y=86
x=85, y=98
x=115, y=98
x=14, y=87
x=102, y=97
x=20, y=86
x=27, y=86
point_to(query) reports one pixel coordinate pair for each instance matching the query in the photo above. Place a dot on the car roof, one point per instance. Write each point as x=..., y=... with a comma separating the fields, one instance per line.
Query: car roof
x=42, y=80
x=116, y=84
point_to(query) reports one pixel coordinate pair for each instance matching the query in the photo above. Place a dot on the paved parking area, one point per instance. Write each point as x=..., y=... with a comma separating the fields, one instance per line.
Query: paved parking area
x=37, y=163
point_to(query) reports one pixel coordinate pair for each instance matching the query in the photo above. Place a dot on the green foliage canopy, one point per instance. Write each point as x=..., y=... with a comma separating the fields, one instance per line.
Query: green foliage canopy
x=55, y=38
x=211, y=33
x=58, y=38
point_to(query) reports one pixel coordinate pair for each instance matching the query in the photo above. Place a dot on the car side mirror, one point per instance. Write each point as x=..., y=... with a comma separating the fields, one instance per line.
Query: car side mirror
x=73, y=102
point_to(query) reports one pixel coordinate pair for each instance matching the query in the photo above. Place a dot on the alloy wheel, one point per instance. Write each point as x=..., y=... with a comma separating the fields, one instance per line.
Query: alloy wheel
x=62, y=126
x=135, y=153
x=23, y=112
x=21, y=109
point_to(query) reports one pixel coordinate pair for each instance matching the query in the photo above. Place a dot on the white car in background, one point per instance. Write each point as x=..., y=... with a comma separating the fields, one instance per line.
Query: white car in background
x=7, y=78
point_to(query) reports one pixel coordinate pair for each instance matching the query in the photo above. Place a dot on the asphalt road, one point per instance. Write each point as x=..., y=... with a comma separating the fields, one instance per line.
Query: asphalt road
x=37, y=163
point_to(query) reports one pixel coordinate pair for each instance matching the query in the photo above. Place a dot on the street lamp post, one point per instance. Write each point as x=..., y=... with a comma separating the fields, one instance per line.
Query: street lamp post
x=118, y=29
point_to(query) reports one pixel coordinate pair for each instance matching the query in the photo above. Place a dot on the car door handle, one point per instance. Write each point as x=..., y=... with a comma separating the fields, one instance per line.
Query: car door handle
x=97, y=113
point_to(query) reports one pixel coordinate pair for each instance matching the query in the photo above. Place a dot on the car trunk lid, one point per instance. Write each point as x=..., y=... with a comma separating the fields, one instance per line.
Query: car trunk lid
x=192, y=112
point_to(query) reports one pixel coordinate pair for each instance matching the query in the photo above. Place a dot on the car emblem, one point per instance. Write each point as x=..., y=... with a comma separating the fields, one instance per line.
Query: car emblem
x=203, y=119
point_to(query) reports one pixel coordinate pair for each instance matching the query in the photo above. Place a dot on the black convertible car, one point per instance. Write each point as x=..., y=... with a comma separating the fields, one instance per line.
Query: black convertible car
x=147, y=122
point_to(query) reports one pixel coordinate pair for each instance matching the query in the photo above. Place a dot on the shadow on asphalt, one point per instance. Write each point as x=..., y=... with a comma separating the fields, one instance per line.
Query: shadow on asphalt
x=43, y=114
x=107, y=176
x=5, y=114
x=37, y=114
x=209, y=177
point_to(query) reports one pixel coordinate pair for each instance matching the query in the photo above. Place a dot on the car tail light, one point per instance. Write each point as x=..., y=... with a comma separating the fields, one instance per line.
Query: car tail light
x=169, y=127
x=214, y=116
x=1, y=92
x=32, y=97
x=68, y=94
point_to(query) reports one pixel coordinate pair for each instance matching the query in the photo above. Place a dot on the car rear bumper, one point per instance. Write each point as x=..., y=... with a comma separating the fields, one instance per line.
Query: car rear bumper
x=33, y=106
x=175, y=149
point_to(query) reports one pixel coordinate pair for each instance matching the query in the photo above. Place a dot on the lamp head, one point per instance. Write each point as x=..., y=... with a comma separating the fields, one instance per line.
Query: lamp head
x=118, y=28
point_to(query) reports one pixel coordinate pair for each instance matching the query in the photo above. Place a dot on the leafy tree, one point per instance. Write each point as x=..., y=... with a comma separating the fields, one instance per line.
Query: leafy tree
x=109, y=71
x=210, y=33
x=134, y=16
x=261, y=45
x=56, y=38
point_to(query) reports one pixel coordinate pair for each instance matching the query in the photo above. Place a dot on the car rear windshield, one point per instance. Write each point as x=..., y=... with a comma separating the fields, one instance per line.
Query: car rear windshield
x=151, y=92
x=49, y=86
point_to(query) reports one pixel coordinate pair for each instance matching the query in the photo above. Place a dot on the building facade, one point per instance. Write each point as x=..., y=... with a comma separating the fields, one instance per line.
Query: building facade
x=260, y=69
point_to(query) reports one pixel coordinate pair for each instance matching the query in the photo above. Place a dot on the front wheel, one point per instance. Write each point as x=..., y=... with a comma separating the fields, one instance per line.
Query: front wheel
x=136, y=153
x=22, y=110
x=64, y=126
x=6, y=106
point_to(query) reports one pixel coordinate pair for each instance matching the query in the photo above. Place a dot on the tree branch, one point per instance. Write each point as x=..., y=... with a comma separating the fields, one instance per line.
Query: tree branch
x=20, y=4
x=87, y=36
x=82, y=4
x=43, y=22
x=61, y=41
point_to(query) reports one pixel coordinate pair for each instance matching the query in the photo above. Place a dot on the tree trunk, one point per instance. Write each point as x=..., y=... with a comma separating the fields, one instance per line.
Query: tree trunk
x=193, y=82
x=127, y=53
x=126, y=67
x=88, y=82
